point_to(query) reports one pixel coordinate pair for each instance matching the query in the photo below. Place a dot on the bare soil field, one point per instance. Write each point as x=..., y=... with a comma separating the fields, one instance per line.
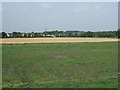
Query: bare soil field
x=53, y=40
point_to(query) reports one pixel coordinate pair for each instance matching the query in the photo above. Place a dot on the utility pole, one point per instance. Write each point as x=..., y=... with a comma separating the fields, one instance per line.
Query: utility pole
x=45, y=31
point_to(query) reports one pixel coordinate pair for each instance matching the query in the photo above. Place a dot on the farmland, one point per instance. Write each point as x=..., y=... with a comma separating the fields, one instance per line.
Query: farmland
x=60, y=65
x=54, y=40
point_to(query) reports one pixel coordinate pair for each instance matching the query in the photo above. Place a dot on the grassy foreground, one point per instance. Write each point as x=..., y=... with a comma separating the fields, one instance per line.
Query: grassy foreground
x=61, y=65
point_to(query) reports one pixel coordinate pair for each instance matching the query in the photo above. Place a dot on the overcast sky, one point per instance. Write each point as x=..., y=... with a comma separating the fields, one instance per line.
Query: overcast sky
x=38, y=17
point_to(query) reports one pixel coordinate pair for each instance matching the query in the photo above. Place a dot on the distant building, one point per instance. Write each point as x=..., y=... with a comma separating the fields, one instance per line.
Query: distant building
x=9, y=35
x=23, y=35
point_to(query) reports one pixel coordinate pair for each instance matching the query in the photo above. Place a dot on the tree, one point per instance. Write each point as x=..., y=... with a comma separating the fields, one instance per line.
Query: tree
x=4, y=35
x=118, y=33
x=89, y=34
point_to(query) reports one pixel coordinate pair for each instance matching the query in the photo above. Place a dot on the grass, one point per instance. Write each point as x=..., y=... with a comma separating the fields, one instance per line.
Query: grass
x=60, y=65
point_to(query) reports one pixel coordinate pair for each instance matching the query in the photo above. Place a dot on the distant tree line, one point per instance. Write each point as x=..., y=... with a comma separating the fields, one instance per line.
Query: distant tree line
x=57, y=33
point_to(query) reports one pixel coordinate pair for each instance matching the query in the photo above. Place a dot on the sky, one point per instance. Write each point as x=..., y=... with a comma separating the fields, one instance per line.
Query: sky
x=119, y=15
x=42, y=16
x=0, y=16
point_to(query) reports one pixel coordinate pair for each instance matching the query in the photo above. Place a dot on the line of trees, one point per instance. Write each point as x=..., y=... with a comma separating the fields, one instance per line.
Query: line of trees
x=61, y=34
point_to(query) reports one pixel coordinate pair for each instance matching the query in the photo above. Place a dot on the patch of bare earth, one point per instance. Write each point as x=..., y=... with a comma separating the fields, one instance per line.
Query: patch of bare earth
x=61, y=57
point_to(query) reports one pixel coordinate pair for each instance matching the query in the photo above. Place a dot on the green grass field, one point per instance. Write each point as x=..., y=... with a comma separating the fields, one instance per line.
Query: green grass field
x=60, y=65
